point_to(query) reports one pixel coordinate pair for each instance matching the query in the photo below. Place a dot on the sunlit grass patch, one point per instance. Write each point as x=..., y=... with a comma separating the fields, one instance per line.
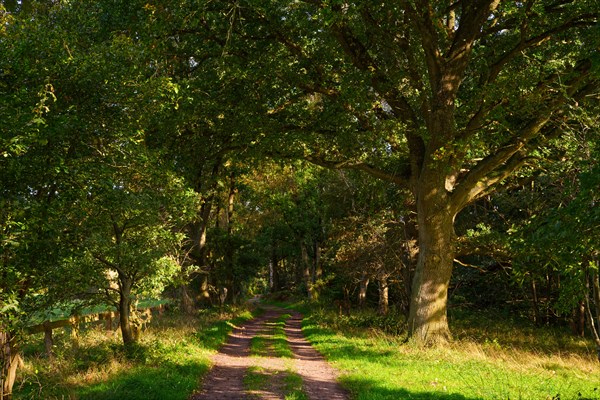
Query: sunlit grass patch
x=381, y=366
x=256, y=379
x=282, y=383
x=272, y=341
x=259, y=345
x=293, y=387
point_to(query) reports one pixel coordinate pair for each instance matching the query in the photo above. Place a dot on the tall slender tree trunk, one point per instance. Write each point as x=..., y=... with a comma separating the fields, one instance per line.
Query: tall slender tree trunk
x=428, y=322
x=229, y=248
x=362, y=289
x=317, y=271
x=534, y=302
x=274, y=270
x=593, y=291
x=306, y=275
x=383, y=308
x=578, y=319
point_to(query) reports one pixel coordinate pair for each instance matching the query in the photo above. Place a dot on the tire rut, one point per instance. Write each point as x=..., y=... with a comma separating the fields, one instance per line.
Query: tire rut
x=225, y=381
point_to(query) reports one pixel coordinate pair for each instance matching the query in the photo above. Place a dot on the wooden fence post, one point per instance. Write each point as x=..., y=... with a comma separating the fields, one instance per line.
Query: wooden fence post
x=48, y=341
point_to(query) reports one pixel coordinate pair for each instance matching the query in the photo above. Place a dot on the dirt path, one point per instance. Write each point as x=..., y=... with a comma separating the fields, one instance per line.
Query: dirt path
x=234, y=363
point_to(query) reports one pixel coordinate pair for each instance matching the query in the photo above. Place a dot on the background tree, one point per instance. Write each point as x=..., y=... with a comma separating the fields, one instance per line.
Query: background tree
x=76, y=84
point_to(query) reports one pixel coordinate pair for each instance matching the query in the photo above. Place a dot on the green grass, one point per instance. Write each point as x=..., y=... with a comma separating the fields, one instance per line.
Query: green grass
x=286, y=383
x=173, y=354
x=293, y=387
x=272, y=341
x=256, y=379
x=377, y=365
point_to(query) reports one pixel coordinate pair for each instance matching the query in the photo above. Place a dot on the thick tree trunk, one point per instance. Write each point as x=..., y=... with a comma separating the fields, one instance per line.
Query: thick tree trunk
x=125, y=310
x=427, y=322
x=10, y=360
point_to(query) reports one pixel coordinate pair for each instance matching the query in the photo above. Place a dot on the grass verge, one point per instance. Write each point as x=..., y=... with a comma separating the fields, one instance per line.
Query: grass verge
x=171, y=357
x=377, y=365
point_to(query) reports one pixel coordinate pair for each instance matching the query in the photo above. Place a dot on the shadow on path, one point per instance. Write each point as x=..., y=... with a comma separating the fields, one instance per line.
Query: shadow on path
x=225, y=381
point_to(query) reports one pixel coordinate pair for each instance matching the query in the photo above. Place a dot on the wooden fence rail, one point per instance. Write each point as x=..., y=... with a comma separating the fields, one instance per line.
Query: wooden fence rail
x=110, y=319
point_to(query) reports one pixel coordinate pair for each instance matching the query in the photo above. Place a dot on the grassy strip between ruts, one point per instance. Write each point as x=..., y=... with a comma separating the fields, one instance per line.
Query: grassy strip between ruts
x=272, y=341
x=378, y=366
x=283, y=383
x=173, y=354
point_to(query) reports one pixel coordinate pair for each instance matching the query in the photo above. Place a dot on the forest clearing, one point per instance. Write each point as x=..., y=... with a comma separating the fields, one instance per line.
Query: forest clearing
x=419, y=179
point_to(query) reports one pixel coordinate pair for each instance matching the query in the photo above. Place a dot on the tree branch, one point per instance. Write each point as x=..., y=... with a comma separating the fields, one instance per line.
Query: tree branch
x=109, y=264
x=360, y=166
x=496, y=67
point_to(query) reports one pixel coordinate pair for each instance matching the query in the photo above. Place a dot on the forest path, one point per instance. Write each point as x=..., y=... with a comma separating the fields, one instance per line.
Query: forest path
x=238, y=374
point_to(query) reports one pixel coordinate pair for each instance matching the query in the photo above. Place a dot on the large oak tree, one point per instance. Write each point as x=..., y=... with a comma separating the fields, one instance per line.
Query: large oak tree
x=445, y=99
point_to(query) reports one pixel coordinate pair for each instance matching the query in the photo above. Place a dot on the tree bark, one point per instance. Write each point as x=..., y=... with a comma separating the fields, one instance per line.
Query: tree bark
x=578, y=319
x=383, y=295
x=306, y=269
x=410, y=257
x=10, y=359
x=428, y=322
x=48, y=340
x=187, y=303
x=317, y=271
x=125, y=310
x=362, y=291
x=589, y=291
x=205, y=289
x=535, y=303
x=273, y=271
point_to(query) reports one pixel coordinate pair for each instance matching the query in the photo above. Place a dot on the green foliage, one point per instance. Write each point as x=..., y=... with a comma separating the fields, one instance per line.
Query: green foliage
x=393, y=323
x=287, y=382
x=273, y=341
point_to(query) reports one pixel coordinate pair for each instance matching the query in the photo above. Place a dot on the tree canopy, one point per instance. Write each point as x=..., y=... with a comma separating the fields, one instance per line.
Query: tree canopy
x=132, y=132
